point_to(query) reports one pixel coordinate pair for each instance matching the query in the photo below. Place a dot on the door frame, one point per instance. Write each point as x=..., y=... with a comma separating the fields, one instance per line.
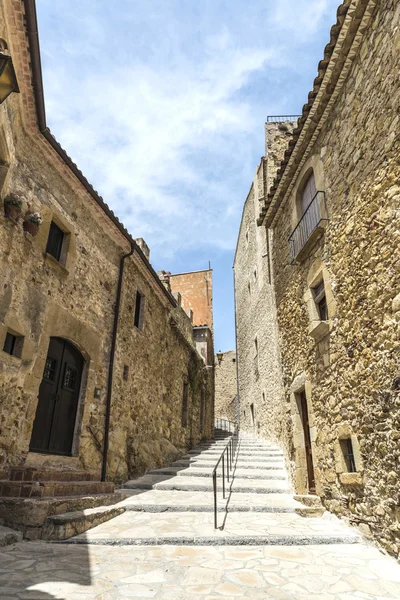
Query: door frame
x=80, y=401
x=301, y=385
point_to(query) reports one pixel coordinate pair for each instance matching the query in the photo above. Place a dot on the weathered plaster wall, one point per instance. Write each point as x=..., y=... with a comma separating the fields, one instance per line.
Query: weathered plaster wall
x=196, y=291
x=351, y=375
x=226, y=405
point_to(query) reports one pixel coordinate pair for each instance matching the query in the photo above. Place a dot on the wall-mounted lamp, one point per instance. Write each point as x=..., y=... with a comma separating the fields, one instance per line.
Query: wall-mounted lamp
x=8, y=79
x=220, y=356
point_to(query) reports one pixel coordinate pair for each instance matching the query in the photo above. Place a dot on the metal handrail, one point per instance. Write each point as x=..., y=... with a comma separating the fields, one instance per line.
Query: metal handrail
x=230, y=451
x=221, y=424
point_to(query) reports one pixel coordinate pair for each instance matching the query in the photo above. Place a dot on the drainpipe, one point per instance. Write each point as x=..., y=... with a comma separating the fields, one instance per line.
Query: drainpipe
x=237, y=352
x=111, y=366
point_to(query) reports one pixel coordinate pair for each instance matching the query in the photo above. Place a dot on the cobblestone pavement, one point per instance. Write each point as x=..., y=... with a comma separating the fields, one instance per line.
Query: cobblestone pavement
x=42, y=571
x=165, y=546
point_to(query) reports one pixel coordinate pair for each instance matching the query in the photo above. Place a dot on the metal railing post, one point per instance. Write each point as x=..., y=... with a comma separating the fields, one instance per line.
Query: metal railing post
x=215, y=498
x=223, y=475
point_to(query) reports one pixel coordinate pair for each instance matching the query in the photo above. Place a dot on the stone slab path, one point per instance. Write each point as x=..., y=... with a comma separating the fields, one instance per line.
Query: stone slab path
x=43, y=571
x=164, y=546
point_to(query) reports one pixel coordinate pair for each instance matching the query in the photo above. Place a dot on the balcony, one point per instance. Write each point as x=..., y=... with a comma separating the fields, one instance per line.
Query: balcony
x=309, y=229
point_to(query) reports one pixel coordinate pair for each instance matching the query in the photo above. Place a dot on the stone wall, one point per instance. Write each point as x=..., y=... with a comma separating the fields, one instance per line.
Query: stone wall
x=349, y=367
x=259, y=372
x=147, y=429
x=226, y=405
x=74, y=298
x=196, y=291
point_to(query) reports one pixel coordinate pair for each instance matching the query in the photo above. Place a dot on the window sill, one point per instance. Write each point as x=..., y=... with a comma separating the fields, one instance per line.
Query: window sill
x=49, y=259
x=13, y=357
x=319, y=329
x=351, y=478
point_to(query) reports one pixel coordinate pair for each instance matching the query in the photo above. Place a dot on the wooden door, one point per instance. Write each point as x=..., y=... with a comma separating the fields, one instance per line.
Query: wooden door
x=53, y=428
x=307, y=442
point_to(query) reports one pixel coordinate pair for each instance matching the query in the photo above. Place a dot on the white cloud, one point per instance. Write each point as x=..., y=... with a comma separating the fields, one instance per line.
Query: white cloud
x=157, y=142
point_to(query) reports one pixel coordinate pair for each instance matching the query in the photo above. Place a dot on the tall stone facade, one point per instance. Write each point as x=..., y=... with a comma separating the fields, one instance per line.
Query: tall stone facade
x=226, y=404
x=336, y=198
x=96, y=355
x=259, y=369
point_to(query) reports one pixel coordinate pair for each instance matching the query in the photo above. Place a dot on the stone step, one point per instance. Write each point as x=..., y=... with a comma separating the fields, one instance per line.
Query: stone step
x=216, y=455
x=239, y=528
x=31, y=474
x=45, y=489
x=30, y=514
x=9, y=536
x=66, y=525
x=242, y=474
x=204, y=465
x=206, y=499
x=163, y=482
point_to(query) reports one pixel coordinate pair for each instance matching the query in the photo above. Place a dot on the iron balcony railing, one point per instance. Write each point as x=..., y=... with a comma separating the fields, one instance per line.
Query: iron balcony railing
x=312, y=220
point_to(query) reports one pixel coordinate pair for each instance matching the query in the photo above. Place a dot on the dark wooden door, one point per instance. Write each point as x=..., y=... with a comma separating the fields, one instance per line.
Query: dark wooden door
x=53, y=428
x=307, y=442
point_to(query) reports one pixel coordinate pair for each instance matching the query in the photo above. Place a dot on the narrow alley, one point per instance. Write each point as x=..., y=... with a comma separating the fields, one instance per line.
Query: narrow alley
x=268, y=544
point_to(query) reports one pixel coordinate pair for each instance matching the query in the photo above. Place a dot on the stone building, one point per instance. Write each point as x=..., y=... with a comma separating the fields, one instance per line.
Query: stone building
x=331, y=215
x=100, y=378
x=226, y=406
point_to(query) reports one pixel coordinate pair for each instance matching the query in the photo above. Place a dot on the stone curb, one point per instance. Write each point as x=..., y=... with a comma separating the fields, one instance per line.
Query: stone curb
x=160, y=508
x=276, y=540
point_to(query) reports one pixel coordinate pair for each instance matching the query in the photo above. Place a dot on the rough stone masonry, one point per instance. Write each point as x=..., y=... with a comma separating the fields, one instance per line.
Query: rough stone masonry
x=97, y=358
x=331, y=215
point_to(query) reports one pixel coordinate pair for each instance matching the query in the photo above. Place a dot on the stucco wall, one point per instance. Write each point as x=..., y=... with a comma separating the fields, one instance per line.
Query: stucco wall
x=196, y=291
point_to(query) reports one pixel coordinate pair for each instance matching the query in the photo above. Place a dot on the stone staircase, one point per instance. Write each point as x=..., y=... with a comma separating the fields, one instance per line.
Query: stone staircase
x=174, y=505
x=55, y=503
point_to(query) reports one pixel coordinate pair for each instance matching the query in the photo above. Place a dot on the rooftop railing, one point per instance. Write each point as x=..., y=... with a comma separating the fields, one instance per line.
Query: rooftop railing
x=310, y=226
x=282, y=118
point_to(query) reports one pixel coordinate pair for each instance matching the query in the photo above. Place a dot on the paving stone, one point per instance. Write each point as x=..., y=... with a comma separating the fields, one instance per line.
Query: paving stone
x=151, y=552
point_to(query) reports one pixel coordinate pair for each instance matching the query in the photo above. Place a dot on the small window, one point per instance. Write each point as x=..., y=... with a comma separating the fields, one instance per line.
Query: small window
x=185, y=404
x=13, y=344
x=55, y=241
x=70, y=378
x=139, y=310
x=50, y=368
x=249, y=288
x=256, y=345
x=125, y=373
x=348, y=455
x=255, y=274
x=320, y=301
x=247, y=236
x=252, y=414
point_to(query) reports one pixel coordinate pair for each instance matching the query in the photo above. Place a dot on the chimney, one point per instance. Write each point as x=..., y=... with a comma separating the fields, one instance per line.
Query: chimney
x=165, y=278
x=144, y=247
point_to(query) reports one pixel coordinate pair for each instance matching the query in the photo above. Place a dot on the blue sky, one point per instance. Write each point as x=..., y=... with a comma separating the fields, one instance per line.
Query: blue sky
x=162, y=104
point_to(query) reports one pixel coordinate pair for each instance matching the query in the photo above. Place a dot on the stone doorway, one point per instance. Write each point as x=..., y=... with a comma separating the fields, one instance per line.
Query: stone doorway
x=54, y=425
x=303, y=409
